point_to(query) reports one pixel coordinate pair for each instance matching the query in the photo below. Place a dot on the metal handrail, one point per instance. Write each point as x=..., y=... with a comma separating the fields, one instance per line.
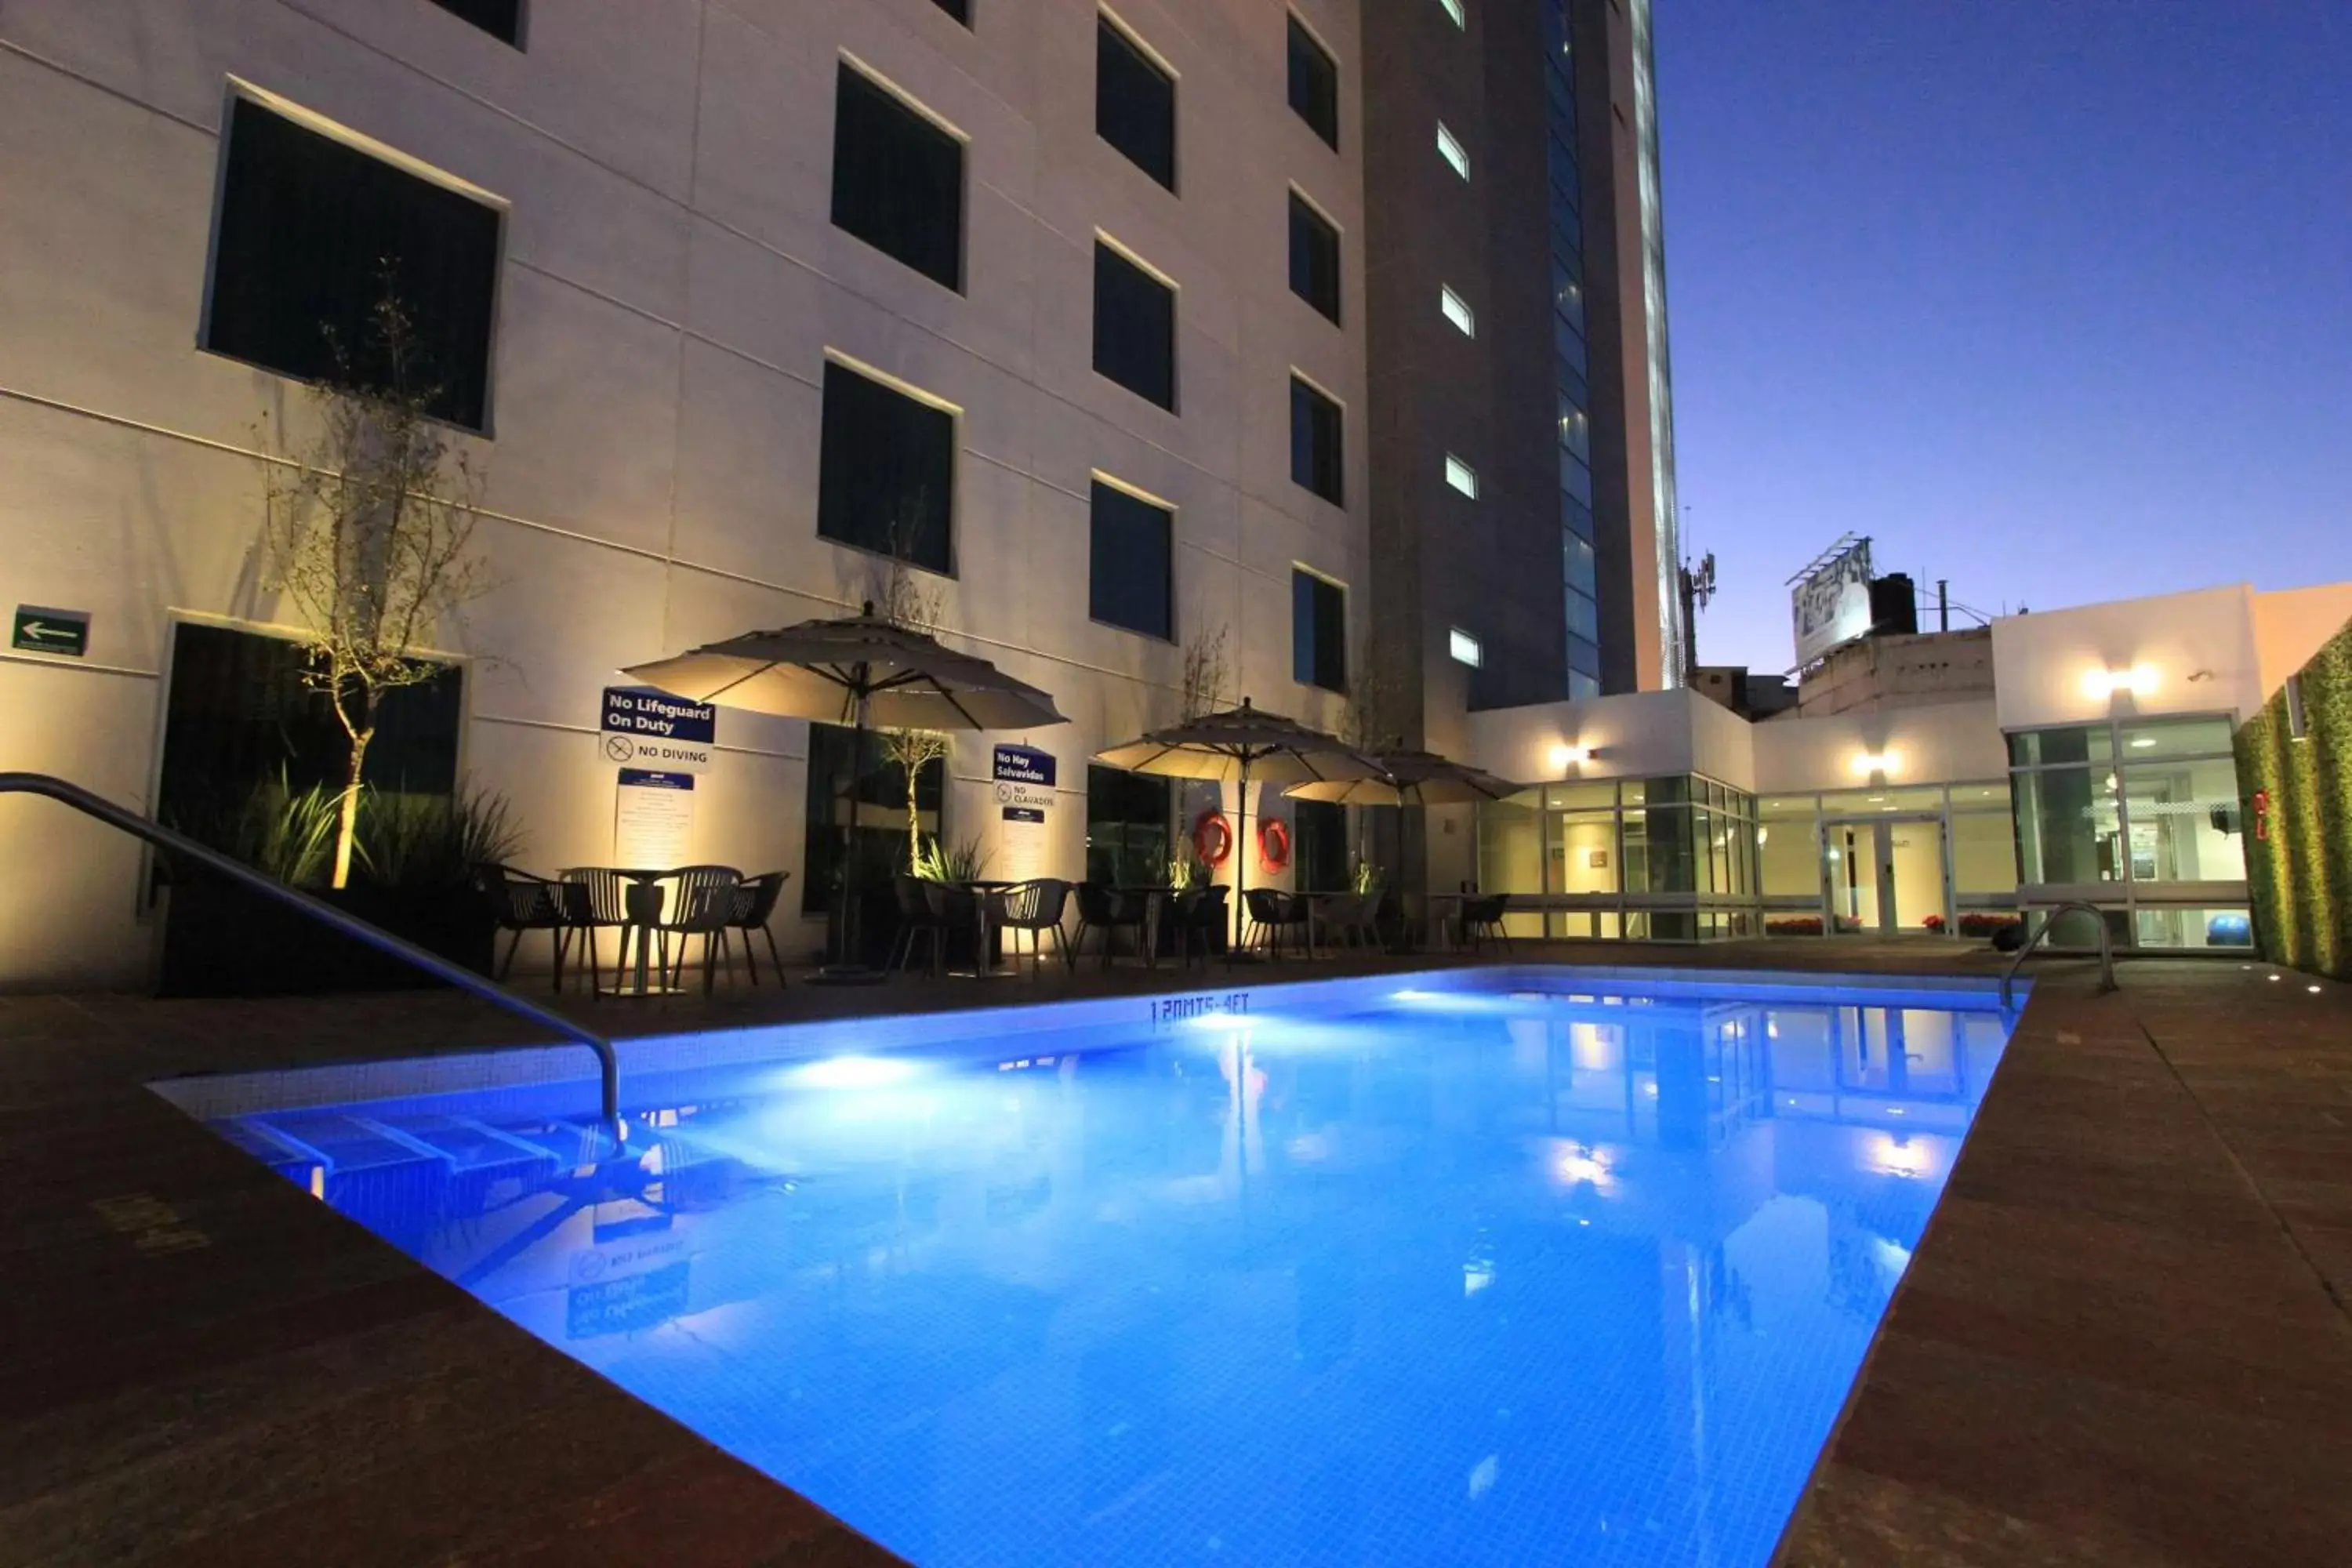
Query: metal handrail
x=465, y=980
x=2049, y=920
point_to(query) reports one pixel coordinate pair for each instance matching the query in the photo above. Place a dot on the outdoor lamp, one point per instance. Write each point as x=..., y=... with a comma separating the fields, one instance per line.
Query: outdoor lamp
x=1565, y=757
x=1875, y=764
x=2138, y=680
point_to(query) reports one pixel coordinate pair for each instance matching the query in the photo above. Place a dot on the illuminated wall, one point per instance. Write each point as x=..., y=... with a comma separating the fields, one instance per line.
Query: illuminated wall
x=2294, y=763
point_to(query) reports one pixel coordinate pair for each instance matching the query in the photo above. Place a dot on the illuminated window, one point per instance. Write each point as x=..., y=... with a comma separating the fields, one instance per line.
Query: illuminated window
x=1452, y=152
x=1453, y=9
x=1457, y=310
x=1461, y=476
x=1464, y=648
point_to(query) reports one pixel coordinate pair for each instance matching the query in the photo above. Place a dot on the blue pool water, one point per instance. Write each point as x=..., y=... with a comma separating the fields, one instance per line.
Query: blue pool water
x=1549, y=1272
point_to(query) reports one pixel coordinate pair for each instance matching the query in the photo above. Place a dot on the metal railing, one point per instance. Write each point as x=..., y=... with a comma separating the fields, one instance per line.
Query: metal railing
x=2049, y=920
x=381, y=941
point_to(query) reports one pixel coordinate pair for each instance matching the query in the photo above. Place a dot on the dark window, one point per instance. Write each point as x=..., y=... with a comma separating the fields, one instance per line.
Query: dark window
x=1135, y=104
x=897, y=179
x=1315, y=442
x=1318, y=632
x=1319, y=856
x=501, y=19
x=885, y=473
x=1314, y=84
x=246, y=737
x=1135, y=327
x=871, y=795
x=1128, y=579
x=1313, y=257
x=960, y=9
x=314, y=235
x=1126, y=828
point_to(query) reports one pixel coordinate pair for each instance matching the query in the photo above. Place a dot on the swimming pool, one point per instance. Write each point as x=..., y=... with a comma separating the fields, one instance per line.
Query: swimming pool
x=1499, y=1266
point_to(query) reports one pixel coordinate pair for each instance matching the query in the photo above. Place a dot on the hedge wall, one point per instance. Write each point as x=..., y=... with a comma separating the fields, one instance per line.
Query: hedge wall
x=2301, y=875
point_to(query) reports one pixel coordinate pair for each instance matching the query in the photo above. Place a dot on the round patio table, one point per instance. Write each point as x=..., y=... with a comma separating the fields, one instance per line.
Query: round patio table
x=984, y=892
x=642, y=902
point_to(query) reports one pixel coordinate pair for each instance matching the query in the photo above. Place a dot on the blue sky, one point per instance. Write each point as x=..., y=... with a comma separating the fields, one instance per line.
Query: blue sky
x=2051, y=298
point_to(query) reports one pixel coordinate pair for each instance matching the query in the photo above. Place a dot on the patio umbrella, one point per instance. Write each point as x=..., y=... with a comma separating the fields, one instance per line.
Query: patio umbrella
x=861, y=670
x=1233, y=745
x=1410, y=778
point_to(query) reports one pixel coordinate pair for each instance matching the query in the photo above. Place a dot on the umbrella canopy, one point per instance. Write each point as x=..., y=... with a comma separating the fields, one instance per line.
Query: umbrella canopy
x=1410, y=778
x=857, y=670
x=1242, y=744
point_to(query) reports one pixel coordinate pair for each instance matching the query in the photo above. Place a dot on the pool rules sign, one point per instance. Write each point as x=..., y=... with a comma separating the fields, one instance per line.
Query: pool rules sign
x=1024, y=778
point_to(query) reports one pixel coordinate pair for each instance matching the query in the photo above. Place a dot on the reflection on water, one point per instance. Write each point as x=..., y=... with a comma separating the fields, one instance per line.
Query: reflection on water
x=1477, y=1278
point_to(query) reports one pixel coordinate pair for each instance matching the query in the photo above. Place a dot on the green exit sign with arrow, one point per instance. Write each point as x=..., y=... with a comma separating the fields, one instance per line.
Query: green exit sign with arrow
x=37, y=630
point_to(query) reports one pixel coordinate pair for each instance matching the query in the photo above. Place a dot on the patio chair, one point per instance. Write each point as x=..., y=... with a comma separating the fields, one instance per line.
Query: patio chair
x=1481, y=920
x=600, y=903
x=1272, y=913
x=1036, y=908
x=517, y=901
x=755, y=906
x=1108, y=910
x=1201, y=917
x=1346, y=919
x=918, y=919
x=701, y=903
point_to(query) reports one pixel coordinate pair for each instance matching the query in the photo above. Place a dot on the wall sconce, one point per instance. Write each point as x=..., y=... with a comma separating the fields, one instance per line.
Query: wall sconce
x=1876, y=764
x=1565, y=757
x=2102, y=684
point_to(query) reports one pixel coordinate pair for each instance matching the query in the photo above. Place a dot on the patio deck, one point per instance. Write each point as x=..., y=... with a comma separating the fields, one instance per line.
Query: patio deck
x=2125, y=1338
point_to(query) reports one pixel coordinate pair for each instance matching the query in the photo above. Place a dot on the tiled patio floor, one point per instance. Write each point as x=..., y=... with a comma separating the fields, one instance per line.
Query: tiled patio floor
x=2124, y=1339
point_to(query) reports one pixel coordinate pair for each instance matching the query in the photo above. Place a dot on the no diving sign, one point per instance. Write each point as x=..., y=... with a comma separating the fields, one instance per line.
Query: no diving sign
x=646, y=729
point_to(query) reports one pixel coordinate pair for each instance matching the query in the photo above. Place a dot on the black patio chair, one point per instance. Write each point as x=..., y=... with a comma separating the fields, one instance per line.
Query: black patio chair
x=1272, y=914
x=1036, y=908
x=918, y=919
x=518, y=902
x=1109, y=911
x=1481, y=920
x=755, y=906
x=1200, y=915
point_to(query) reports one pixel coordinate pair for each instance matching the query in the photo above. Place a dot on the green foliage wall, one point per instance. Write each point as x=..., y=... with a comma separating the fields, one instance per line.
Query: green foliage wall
x=2301, y=876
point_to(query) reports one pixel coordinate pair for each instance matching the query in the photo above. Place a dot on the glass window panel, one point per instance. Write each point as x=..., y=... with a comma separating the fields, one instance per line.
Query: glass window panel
x=1879, y=802
x=897, y=179
x=1786, y=808
x=1583, y=570
x=1988, y=795
x=502, y=19
x=1135, y=104
x=1314, y=84
x=1457, y=310
x=1315, y=434
x=1313, y=257
x=1570, y=344
x=1129, y=578
x=1135, y=327
x=1510, y=845
x=2193, y=928
x=1583, y=617
x=1450, y=148
x=1585, y=853
x=866, y=792
x=1582, y=654
x=1984, y=853
x=1791, y=856
x=2158, y=740
x=885, y=471
x=1128, y=821
x=1582, y=684
x=2044, y=748
x=1318, y=632
x=2069, y=829
x=2187, y=822
x=1575, y=480
x=313, y=234
x=1598, y=795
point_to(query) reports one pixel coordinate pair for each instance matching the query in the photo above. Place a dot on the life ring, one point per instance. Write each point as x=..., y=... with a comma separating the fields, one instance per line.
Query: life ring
x=1273, y=844
x=1213, y=837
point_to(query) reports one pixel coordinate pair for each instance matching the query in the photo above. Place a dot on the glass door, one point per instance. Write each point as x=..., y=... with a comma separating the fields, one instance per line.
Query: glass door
x=1886, y=874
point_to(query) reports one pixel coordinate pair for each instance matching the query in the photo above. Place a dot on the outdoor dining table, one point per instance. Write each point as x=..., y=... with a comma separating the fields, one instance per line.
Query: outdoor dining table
x=1155, y=909
x=643, y=903
x=985, y=891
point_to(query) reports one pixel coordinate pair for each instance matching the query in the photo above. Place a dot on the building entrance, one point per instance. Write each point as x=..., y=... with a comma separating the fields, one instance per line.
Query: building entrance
x=1886, y=874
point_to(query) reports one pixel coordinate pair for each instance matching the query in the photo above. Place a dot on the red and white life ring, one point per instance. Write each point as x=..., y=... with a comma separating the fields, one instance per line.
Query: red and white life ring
x=1273, y=844
x=1213, y=837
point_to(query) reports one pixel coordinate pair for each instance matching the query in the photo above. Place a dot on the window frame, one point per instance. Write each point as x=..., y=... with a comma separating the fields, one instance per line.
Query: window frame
x=849, y=67
x=308, y=119
x=847, y=364
x=1320, y=223
x=1315, y=395
x=1461, y=478
x=1458, y=311
x=1316, y=583
x=1100, y=482
x=1328, y=59
x=1108, y=248
x=1109, y=25
x=1452, y=149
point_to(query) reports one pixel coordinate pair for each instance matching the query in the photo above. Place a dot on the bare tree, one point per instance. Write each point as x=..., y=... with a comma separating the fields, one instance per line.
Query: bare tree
x=369, y=527
x=909, y=601
x=1205, y=674
x=1376, y=710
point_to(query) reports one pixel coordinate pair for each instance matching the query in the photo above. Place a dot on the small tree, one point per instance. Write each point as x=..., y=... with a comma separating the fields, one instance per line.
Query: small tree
x=368, y=528
x=1205, y=674
x=907, y=602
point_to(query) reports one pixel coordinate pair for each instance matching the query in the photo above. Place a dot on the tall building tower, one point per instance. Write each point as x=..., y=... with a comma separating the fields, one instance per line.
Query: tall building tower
x=1522, y=415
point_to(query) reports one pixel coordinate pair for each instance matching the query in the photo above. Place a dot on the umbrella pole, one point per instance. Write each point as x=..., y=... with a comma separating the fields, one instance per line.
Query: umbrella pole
x=848, y=966
x=1241, y=858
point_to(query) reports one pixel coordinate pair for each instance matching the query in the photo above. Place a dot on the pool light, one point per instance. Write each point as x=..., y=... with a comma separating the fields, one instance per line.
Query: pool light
x=854, y=1072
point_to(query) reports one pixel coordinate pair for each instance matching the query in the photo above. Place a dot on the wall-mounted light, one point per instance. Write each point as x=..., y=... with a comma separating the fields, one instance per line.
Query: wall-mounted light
x=1876, y=764
x=2101, y=684
x=1565, y=757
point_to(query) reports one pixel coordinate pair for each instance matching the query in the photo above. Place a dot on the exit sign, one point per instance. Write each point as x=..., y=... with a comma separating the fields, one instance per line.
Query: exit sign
x=37, y=630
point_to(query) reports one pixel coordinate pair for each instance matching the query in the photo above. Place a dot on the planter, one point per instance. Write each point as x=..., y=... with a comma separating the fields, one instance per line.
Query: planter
x=221, y=939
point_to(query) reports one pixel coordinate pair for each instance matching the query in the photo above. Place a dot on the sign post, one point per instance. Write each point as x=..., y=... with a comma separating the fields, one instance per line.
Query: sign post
x=61, y=632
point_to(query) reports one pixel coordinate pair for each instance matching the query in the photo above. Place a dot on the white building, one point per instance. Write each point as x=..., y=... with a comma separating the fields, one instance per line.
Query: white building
x=2100, y=770
x=669, y=296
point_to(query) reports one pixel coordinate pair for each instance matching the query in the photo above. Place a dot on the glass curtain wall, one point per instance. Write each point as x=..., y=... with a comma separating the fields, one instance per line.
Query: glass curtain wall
x=1948, y=848
x=1671, y=859
x=1579, y=578
x=2142, y=816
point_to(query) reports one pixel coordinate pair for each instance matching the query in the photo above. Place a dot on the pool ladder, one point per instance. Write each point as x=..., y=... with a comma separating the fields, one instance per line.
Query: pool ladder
x=2049, y=920
x=89, y=804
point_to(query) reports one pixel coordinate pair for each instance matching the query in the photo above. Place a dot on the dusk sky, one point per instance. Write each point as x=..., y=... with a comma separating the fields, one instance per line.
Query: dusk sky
x=2051, y=298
